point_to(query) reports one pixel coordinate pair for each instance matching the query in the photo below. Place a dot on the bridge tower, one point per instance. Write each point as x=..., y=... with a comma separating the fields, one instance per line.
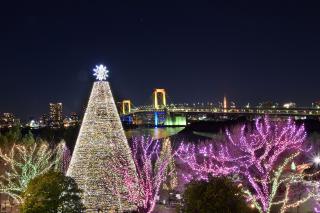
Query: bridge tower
x=126, y=107
x=225, y=103
x=162, y=92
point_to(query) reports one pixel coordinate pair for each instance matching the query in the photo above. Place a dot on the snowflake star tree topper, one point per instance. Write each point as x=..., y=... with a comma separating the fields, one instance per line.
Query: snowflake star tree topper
x=101, y=72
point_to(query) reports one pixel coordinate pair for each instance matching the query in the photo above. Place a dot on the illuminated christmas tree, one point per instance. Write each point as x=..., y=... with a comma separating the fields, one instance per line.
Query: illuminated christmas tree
x=101, y=140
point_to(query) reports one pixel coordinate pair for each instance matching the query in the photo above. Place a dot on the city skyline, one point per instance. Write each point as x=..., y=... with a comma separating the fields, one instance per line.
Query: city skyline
x=223, y=104
x=252, y=52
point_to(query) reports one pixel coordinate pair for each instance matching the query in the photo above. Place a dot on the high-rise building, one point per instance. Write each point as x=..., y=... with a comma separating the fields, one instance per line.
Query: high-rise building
x=72, y=120
x=316, y=104
x=225, y=102
x=8, y=120
x=268, y=105
x=74, y=117
x=55, y=119
x=289, y=105
x=44, y=120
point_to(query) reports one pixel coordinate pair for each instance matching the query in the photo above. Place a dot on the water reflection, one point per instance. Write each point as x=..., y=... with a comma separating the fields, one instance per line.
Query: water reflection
x=156, y=133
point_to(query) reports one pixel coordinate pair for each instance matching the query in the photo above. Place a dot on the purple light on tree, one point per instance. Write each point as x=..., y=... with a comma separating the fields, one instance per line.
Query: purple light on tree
x=316, y=208
x=202, y=160
x=143, y=190
x=257, y=156
x=66, y=158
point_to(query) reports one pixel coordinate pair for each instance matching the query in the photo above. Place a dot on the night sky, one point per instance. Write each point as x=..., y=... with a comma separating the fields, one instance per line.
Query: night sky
x=198, y=51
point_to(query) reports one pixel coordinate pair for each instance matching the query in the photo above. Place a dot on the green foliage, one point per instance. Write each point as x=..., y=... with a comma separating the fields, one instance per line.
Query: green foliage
x=218, y=195
x=11, y=137
x=52, y=192
x=28, y=139
x=3, y=140
x=70, y=135
x=14, y=136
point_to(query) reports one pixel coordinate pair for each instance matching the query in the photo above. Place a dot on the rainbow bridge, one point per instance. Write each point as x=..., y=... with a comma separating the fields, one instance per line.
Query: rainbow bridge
x=162, y=114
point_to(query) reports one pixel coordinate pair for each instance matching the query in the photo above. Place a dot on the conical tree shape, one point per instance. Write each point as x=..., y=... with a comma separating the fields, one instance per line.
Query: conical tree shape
x=101, y=143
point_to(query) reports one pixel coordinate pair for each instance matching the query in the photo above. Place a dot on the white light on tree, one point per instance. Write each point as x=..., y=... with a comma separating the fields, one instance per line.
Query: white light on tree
x=101, y=140
x=23, y=163
x=101, y=72
x=171, y=181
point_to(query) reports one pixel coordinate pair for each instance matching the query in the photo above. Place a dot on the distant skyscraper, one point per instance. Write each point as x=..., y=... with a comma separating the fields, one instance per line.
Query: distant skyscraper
x=316, y=104
x=8, y=120
x=44, y=120
x=8, y=117
x=225, y=103
x=55, y=114
x=71, y=120
x=289, y=105
x=74, y=117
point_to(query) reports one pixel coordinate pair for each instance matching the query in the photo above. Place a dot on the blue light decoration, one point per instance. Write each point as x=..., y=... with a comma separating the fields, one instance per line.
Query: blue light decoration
x=156, y=119
x=127, y=119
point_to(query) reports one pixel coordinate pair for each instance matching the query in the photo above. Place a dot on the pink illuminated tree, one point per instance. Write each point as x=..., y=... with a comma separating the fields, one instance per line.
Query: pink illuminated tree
x=144, y=188
x=66, y=158
x=259, y=157
x=317, y=208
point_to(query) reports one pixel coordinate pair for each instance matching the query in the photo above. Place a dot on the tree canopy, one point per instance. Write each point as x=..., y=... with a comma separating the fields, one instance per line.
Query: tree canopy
x=52, y=192
x=218, y=195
